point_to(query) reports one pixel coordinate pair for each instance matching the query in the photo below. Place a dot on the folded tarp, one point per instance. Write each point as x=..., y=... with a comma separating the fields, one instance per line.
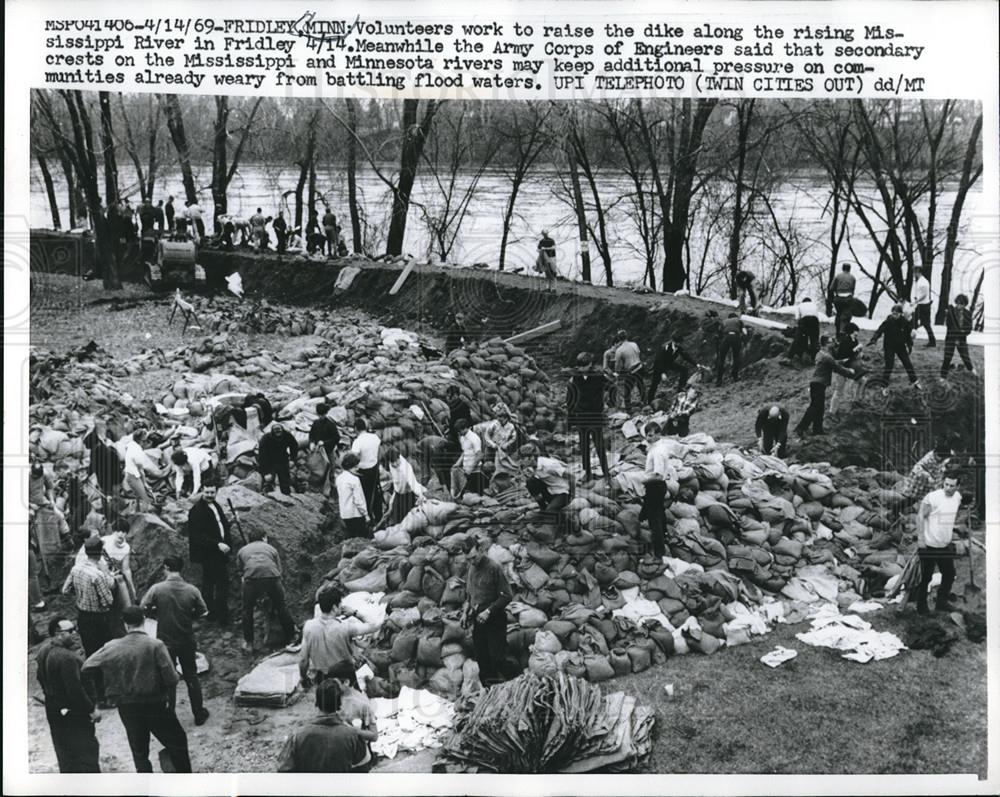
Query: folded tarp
x=273, y=682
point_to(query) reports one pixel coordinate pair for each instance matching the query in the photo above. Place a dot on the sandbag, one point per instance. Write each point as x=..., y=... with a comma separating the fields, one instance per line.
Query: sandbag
x=621, y=664
x=663, y=637
x=531, y=618
x=404, y=645
x=605, y=574
x=404, y=600
x=544, y=557
x=627, y=579
x=640, y=658
x=429, y=651
x=543, y=664
x=394, y=537
x=453, y=595
x=432, y=584
x=532, y=575
x=561, y=628
x=375, y=581
x=546, y=642
x=598, y=668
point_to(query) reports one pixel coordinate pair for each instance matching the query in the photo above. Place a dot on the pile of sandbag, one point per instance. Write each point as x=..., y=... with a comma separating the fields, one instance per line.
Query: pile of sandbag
x=751, y=540
x=228, y=314
x=549, y=724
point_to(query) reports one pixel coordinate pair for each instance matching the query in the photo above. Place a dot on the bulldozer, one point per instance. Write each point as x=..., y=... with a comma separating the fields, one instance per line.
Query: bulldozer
x=171, y=261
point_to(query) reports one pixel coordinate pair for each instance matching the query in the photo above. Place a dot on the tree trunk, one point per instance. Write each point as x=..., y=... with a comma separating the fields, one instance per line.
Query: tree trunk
x=312, y=183
x=508, y=218
x=744, y=115
x=71, y=187
x=50, y=192
x=686, y=168
x=581, y=215
x=414, y=137
x=305, y=166
x=108, y=148
x=966, y=181
x=352, y=174
x=220, y=138
x=175, y=124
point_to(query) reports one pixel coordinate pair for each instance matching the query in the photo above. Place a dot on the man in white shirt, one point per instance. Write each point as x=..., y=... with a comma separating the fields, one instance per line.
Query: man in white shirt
x=465, y=472
x=935, y=528
x=194, y=461
x=659, y=471
x=549, y=481
x=922, y=305
x=351, y=497
x=407, y=492
x=366, y=446
x=137, y=466
x=806, y=331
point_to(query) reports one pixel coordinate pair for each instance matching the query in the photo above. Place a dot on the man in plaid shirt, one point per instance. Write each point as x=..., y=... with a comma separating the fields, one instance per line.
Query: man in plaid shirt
x=93, y=592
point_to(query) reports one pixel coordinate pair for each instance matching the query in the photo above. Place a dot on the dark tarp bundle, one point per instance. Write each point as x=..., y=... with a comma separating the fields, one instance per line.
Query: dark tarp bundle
x=548, y=724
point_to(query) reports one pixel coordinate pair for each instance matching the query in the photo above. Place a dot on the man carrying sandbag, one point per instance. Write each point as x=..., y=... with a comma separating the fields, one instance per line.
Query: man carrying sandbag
x=327, y=640
x=771, y=430
x=260, y=566
x=549, y=481
x=487, y=595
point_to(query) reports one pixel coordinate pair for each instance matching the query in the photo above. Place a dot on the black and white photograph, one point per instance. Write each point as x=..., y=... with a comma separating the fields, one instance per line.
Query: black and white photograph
x=379, y=433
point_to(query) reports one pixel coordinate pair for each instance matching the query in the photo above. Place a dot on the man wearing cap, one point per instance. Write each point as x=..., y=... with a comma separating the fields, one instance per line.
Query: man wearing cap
x=140, y=679
x=176, y=604
x=92, y=589
x=771, y=430
x=897, y=342
x=210, y=544
x=585, y=411
x=276, y=454
x=327, y=743
x=69, y=702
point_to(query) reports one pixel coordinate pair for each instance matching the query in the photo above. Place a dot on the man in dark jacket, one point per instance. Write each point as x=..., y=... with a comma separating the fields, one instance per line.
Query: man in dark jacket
x=107, y=467
x=487, y=596
x=69, y=700
x=175, y=604
x=670, y=357
x=771, y=430
x=325, y=432
x=958, y=322
x=168, y=211
x=585, y=411
x=280, y=227
x=210, y=544
x=158, y=217
x=327, y=743
x=744, y=285
x=730, y=340
x=897, y=341
x=826, y=365
x=141, y=680
x=277, y=452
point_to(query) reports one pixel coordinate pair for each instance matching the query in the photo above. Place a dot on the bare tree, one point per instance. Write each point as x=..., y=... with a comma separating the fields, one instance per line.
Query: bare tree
x=414, y=138
x=146, y=176
x=223, y=169
x=527, y=139
x=352, y=174
x=175, y=124
x=456, y=157
x=108, y=148
x=80, y=148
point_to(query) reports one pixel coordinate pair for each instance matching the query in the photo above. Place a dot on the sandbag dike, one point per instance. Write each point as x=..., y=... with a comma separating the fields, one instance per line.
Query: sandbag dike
x=877, y=432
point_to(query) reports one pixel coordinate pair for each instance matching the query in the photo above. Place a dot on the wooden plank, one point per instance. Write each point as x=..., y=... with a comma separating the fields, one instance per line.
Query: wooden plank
x=537, y=332
x=402, y=278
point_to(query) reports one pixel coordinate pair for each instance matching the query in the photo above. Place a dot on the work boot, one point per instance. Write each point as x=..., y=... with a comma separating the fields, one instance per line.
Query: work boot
x=201, y=717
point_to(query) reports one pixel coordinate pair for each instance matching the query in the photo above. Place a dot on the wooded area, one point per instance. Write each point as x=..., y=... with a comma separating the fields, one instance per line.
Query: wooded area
x=712, y=165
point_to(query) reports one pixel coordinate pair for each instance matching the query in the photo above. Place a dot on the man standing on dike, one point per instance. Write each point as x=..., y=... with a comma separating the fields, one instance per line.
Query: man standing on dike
x=585, y=412
x=69, y=702
x=826, y=364
x=897, y=342
x=176, y=604
x=210, y=544
x=487, y=596
x=141, y=680
x=841, y=298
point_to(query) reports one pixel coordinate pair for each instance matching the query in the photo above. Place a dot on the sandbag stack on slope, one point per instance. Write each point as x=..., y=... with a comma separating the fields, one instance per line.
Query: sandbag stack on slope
x=543, y=724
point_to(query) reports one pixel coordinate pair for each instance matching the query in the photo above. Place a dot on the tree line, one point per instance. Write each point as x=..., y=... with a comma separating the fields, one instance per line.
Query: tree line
x=712, y=166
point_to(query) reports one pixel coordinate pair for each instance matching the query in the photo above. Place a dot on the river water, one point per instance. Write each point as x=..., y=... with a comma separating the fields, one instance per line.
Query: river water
x=542, y=204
